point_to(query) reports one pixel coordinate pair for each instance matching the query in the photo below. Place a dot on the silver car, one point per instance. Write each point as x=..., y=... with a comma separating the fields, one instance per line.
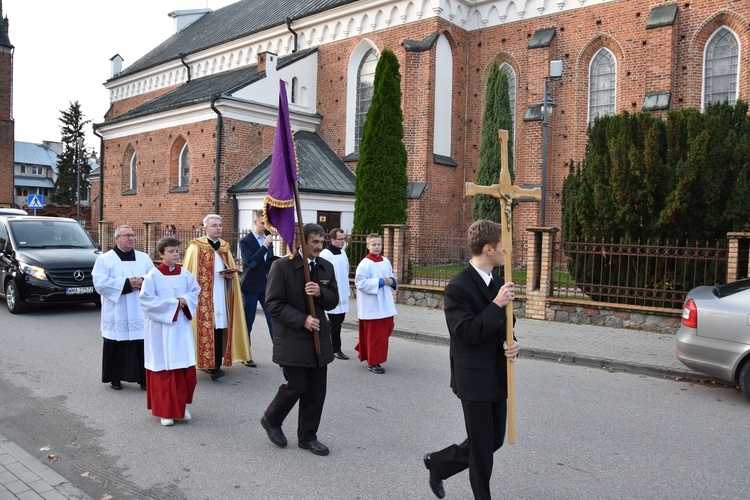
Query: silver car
x=715, y=334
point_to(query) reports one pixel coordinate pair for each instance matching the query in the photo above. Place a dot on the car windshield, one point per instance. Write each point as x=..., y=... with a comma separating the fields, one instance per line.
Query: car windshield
x=45, y=233
x=731, y=288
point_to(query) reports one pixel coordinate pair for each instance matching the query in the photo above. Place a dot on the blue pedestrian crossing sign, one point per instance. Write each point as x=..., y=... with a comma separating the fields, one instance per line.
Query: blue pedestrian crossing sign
x=36, y=201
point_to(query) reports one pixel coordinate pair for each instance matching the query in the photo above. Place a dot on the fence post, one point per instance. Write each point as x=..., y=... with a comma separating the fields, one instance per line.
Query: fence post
x=394, y=248
x=539, y=267
x=105, y=235
x=153, y=234
x=738, y=260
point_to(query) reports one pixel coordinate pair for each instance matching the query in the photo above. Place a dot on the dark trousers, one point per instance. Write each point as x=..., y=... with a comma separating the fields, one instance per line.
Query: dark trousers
x=218, y=347
x=485, y=427
x=308, y=386
x=250, y=305
x=336, y=321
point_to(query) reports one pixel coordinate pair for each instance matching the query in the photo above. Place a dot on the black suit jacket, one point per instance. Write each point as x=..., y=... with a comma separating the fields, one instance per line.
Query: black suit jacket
x=477, y=331
x=287, y=304
x=254, y=267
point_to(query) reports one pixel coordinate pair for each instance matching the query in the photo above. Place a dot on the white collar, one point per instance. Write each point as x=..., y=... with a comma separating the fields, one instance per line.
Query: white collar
x=486, y=277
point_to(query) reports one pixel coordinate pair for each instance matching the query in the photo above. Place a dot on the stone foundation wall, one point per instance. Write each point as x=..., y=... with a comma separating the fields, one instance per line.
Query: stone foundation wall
x=661, y=321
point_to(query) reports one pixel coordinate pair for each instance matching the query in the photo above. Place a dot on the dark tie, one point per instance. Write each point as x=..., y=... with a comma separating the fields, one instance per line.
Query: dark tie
x=312, y=267
x=491, y=284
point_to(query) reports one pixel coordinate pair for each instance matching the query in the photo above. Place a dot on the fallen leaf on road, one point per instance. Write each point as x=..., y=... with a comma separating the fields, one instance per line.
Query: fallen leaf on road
x=85, y=474
x=46, y=448
x=53, y=458
x=106, y=496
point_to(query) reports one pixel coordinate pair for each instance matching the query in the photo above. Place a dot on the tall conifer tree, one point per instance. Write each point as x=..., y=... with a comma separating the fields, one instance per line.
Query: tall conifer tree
x=71, y=129
x=381, y=182
x=497, y=115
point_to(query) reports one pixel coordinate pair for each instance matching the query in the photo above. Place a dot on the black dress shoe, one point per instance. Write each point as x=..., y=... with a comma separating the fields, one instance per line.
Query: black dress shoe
x=116, y=385
x=436, y=484
x=275, y=434
x=143, y=386
x=340, y=355
x=217, y=374
x=250, y=363
x=314, y=446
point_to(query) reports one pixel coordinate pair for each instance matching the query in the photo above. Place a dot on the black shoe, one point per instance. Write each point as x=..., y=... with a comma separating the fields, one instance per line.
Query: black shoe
x=116, y=385
x=436, y=484
x=143, y=386
x=314, y=446
x=275, y=434
x=250, y=363
x=340, y=355
x=376, y=369
x=217, y=374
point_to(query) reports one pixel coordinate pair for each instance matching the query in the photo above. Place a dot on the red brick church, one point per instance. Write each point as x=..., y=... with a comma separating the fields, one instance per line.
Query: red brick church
x=191, y=123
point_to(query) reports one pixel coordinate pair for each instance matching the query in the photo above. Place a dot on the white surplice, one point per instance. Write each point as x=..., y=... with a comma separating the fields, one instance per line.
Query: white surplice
x=374, y=301
x=168, y=344
x=122, y=317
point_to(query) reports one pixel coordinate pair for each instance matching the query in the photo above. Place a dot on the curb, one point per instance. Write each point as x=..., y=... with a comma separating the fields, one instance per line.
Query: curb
x=568, y=357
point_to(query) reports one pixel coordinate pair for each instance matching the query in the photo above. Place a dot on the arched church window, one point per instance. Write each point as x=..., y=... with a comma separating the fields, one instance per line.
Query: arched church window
x=602, y=84
x=365, y=87
x=511, y=75
x=133, y=178
x=721, y=65
x=184, y=167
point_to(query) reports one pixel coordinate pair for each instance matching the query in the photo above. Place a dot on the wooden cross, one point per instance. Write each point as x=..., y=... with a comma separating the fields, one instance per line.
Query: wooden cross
x=506, y=192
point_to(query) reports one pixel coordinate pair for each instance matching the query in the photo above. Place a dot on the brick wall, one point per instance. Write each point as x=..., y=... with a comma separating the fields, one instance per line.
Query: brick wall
x=654, y=60
x=7, y=127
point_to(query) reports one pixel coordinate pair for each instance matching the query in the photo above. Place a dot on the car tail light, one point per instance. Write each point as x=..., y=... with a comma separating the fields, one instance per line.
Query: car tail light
x=690, y=314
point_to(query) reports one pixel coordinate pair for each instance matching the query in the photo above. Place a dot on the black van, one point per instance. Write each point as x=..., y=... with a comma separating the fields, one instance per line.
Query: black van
x=45, y=260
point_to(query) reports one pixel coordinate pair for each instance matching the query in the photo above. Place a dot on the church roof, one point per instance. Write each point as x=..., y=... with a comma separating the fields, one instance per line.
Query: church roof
x=229, y=23
x=201, y=89
x=320, y=170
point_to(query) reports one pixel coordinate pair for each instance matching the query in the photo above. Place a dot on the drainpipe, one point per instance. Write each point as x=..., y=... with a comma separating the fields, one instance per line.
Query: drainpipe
x=182, y=59
x=101, y=172
x=289, y=27
x=219, y=123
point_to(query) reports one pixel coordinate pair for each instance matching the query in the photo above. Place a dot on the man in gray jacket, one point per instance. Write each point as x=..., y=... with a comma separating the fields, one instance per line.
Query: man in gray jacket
x=305, y=371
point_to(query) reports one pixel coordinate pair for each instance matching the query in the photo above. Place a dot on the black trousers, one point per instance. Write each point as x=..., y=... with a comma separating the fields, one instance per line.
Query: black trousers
x=308, y=386
x=336, y=321
x=485, y=427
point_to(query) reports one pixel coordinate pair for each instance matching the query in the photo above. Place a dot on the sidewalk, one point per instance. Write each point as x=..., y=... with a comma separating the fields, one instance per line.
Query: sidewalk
x=623, y=349
x=26, y=477
x=23, y=476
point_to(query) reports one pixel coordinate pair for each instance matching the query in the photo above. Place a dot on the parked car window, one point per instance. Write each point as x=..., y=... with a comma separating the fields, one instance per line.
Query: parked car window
x=731, y=288
x=3, y=238
x=45, y=233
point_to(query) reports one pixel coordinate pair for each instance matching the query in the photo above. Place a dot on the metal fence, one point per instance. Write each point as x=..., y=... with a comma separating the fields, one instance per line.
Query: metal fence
x=649, y=274
x=441, y=254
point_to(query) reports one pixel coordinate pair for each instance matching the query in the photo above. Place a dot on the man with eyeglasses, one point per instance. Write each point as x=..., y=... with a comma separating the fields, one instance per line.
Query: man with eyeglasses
x=118, y=276
x=219, y=323
x=334, y=253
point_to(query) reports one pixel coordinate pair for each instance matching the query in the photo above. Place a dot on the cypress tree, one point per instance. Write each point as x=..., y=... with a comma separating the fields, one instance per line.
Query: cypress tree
x=381, y=184
x=497, y=115
x=71, y=129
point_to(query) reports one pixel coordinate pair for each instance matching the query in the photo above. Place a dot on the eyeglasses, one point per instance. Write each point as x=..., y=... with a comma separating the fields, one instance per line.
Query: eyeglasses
x=128, y=235
x=340, y=239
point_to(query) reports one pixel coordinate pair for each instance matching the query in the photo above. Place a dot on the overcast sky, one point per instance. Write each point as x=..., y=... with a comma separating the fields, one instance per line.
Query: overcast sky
x=62, y=52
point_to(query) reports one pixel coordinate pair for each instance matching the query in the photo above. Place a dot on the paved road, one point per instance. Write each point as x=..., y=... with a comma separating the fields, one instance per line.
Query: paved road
x=582, y=432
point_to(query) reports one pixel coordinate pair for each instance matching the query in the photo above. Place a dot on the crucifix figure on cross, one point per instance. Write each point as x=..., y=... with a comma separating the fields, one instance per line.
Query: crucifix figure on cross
x=505, y=191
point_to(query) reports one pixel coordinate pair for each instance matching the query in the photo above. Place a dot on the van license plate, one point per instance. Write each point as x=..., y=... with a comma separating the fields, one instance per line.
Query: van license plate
x=81, y=290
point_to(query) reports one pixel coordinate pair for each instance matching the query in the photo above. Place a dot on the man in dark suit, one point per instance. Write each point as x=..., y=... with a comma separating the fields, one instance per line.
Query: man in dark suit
x=257, y=250
x=293, y=347
x=475, y=301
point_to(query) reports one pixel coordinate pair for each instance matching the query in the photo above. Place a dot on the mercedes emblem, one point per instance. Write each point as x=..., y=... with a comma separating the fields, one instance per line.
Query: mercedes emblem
x=78, y=275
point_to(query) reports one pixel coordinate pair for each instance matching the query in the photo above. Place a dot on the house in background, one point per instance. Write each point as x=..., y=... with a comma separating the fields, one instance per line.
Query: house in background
x=35, y=171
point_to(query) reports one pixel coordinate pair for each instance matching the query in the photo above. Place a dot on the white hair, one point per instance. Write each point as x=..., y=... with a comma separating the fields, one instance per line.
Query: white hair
x=209, y=217
x=118, y=229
